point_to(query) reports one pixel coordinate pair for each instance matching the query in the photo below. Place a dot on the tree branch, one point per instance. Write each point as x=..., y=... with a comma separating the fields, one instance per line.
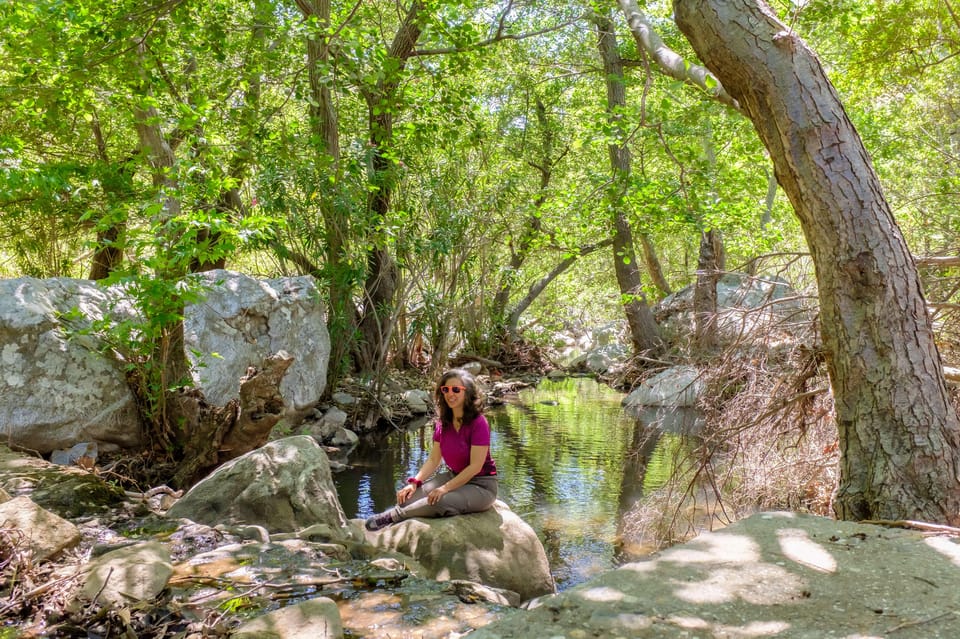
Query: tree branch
x=537, y=287
x=500, y=36
x=671, y=62
x=937, y=262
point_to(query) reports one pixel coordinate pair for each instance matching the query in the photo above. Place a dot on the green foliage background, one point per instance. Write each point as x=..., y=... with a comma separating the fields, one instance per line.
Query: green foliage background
x=228, y=86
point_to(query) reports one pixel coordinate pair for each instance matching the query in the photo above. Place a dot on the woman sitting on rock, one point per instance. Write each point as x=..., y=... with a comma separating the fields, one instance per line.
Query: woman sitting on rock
x=461, y=440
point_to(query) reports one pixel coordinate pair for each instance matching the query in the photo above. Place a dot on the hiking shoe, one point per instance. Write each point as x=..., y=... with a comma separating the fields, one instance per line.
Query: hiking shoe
x=382, y=520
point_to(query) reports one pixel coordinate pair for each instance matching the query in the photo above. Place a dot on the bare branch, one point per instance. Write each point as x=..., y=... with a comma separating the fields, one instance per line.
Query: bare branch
x=937, y=262
x=500, y=36
x=671, y=62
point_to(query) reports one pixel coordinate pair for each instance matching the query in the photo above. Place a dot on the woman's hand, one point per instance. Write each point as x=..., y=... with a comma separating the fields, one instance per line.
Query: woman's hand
x=404, y=493
x=436, y=494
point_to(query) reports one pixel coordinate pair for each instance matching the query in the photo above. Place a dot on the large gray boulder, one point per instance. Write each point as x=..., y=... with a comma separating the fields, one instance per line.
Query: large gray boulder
x=284, y=486
x=745, y=304
x=496, y=548
x=677, y=387
x=55, y=391
x=243, y=320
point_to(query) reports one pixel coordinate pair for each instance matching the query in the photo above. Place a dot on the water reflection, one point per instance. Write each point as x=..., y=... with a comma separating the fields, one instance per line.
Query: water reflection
x=571, y=461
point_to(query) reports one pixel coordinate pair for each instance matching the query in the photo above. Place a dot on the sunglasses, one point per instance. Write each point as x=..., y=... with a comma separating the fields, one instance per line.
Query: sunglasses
x=452, y=389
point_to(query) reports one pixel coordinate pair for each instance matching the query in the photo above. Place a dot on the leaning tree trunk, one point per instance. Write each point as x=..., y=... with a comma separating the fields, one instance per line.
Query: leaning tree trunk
x=899, y=435
x=538, y=287
x=654, y=268
x=533, y=225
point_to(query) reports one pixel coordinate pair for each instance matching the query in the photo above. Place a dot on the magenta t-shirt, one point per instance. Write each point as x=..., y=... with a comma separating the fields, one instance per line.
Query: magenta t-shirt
x=455, y=446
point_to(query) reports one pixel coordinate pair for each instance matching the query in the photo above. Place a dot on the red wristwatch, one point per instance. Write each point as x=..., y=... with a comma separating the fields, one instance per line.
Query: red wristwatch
x=416, y=482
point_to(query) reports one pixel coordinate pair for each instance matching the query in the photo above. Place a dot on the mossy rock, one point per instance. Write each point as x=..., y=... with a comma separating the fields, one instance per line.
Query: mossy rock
x=71, y=495
x=67, y=491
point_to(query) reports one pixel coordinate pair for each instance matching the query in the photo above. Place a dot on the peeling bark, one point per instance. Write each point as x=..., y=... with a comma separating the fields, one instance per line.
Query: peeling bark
x=217, y=434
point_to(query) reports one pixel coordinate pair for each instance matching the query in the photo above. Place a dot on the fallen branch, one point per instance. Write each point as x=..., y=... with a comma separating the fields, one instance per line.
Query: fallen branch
x=920, y=622
x=915, y=525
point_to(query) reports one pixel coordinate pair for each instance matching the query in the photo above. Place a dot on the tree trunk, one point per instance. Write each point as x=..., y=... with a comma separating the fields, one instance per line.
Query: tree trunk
x=109, y=254
x=324, y=123
x=899, y=435
x=652, y=262
x=644, y=332
x=705, y=290
x=377, y=316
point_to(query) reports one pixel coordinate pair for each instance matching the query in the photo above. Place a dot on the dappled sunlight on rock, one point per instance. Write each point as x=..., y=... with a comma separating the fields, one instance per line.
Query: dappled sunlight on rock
x=945, y=546
x=769, y=575
x=640, y=566
x=750, y=630
x=760, y=584
x=202, y=571
x=797, y=545
x=691, y=623
x=370, y=611
x=420, y=616
x=715, y=549
x=605, y=594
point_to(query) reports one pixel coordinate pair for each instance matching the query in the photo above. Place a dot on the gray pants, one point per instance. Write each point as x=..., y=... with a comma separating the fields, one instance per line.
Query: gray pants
x=475, y=496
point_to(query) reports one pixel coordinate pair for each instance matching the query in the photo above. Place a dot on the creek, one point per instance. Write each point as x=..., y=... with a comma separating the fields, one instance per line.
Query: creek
x=571, y=462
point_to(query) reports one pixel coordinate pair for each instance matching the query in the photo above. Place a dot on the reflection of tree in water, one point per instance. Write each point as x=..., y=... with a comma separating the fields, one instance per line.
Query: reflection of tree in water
x=543, y=448
x=512, y=441
x=646, y=435
x=542, y=482
x=661, y=437
x=642, y=445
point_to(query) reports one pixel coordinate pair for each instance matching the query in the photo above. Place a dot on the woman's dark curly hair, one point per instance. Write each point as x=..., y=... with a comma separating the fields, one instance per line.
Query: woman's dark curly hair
x=472, y=403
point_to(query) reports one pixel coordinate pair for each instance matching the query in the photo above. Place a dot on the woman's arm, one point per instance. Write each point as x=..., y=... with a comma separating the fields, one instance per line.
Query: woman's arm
x=432, y=464
x=429, y=467
x=478, y=455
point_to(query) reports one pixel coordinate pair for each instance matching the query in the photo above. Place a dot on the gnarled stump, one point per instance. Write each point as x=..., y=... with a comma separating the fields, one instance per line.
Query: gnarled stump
x=212, y=435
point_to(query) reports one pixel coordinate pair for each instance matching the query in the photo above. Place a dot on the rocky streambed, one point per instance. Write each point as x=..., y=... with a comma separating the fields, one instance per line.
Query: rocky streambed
x=82, y=558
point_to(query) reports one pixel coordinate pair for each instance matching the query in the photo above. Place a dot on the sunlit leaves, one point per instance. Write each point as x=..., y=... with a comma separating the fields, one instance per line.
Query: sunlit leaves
x=477, y=171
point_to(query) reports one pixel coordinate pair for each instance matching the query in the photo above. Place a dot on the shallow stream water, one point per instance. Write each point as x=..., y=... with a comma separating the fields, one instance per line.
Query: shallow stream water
x=570, y=461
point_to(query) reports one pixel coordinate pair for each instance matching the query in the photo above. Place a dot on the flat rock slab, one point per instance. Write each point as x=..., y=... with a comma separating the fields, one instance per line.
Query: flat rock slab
x=780, y=575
